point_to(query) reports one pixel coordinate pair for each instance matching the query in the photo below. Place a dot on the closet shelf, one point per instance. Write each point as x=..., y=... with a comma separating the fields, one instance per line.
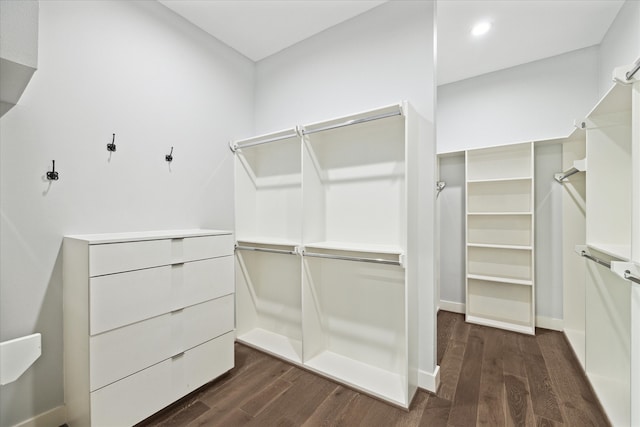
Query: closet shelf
x=500, y=213
x=276, y=344
x=578, y=166
x=267, y=241
x=365, y=248
x=264, y=139
x=620, y=252
x=367, y=116
x=367, y=378
x=505, y=280
x=496, y=246
x=510, y=326
x=520, y=178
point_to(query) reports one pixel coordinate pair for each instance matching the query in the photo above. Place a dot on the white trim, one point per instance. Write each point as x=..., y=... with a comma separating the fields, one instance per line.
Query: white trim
x=53, y=417
x=429, y=381
x=455, y=307
x=550, y=323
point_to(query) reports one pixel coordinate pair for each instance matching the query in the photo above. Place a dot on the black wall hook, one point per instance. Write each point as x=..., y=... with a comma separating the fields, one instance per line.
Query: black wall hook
x=169, y=157
x=112, y=146
x=52, y=175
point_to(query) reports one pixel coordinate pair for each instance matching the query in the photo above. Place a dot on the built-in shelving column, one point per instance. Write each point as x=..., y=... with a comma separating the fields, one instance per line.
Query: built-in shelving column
x=500, y=230
x=608, y=238
x=268, y=233
x=358, y=303
x=573, y=233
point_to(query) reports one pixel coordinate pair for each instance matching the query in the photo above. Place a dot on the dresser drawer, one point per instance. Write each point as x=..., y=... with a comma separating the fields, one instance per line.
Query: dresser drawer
x=198, y=281
x=138, y=396
x=117, y=257
x=121, y=299
x=126, y=256
x=124, y=351
x=195, y=248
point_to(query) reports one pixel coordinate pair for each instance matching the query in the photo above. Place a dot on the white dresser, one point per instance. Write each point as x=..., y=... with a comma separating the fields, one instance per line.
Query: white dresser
x=148, y=318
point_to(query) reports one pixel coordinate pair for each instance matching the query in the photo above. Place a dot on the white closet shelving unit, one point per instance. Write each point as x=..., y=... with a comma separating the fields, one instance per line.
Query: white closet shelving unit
x=573, y=233
x=609, y=219
x=268, y=184
x=343, y=297
x=500, y=229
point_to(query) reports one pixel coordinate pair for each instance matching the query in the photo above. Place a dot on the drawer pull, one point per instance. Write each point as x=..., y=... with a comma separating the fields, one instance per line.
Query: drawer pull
x=175, y=356
x=177, y=310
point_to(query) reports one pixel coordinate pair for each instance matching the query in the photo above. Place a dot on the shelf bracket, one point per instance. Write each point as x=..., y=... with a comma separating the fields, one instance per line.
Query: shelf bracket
x=578, y=166
x=627, y=270
x=625, y=75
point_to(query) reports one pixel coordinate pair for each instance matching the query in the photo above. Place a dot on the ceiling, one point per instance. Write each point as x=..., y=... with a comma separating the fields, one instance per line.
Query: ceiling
x=522, y=30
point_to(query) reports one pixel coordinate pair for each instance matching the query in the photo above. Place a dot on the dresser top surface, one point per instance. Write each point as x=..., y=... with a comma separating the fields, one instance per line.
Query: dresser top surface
x=94, y=239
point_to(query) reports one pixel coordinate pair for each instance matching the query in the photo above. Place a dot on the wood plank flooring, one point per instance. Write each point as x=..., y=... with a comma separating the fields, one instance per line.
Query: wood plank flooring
x=489, y=377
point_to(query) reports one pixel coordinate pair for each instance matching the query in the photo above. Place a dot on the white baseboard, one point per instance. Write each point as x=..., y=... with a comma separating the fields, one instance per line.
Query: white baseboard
x=52, y=418
x=455, y=307
x=549, y=323
x=429, y=381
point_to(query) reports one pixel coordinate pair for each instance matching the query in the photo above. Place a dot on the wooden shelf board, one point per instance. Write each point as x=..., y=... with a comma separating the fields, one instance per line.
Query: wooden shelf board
x=261, y=240
x=515, y=327
x=621, y=252
x=357, y=247
x=278, y=345
x=496, y=246
x=500, y=213
x=504, y=280
x=386, y=385
x=519, y=178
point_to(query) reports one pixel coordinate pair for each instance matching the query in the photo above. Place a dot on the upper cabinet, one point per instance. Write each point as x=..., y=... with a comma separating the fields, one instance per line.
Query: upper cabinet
x=18, y=49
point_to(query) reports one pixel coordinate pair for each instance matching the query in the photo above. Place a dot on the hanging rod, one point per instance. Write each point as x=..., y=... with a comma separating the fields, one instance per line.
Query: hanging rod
x=629, y=276
x=634, y=70
x=351, y=258
x=578, y=166
x=353, y=122
x=235, y=146
x=595, y=259
x=275, y=251
x=564, y=175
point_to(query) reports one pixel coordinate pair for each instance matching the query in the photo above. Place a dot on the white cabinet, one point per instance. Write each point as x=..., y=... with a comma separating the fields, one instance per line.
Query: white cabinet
x=332, y=221
x=500, y=244
x=148, y=318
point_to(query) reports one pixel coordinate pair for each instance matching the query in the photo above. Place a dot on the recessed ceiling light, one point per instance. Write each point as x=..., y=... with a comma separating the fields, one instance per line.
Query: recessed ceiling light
x=481, y=28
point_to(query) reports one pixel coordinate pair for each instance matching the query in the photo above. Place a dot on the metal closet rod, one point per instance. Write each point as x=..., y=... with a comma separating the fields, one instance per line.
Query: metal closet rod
x=265, y=141
x=629, y=276
x=351, y=258
x=275, y=251
x=352, y=122
x=567, y=174
x=634, y=70
x=595, y=259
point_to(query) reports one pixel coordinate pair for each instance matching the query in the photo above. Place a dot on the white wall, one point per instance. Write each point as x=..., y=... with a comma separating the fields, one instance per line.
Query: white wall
x=534, y=101
x=380, y=57
x=621, y=44
x=130, y=68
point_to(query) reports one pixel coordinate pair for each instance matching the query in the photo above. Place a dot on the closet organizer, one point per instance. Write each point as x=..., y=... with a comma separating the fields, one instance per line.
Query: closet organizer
x=327, y=247
x=500, y=288
x=602, y=224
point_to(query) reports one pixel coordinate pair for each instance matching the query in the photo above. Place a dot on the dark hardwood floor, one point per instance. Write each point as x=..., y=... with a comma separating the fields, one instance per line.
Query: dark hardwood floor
x=489, y=377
